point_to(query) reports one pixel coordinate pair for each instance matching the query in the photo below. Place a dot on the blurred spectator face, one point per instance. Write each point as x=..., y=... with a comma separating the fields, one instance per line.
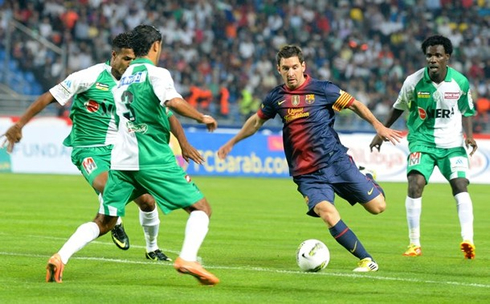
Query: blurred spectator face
x=436, y=62
x=120, y=61
x=292, y=72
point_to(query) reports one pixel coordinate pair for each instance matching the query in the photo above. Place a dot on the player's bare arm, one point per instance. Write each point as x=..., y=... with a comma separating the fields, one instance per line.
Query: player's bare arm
x=183, y=108
x=469, y=140
x=188, y=151
x=383, y=132
x=14, y=134
x=249, y=128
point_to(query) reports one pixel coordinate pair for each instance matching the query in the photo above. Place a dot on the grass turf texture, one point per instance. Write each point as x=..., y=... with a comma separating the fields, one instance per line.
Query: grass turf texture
x=255, y=229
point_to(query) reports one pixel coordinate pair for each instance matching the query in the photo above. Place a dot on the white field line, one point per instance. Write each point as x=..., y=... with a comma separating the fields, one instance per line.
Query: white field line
x=373, y=276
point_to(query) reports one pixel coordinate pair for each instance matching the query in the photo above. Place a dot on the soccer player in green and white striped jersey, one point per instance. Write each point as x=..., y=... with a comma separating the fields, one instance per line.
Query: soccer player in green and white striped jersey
x=93, y=134
x=142, y=161
x=440, y=107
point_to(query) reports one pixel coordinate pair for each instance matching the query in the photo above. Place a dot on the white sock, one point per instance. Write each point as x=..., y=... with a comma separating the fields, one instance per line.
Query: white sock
x=151, y=224
x=414, y=210
x=85, y=234
x=195, y=232
x=465, y=214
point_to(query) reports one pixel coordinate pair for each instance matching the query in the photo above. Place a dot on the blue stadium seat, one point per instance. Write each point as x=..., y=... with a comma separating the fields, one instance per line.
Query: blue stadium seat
x=29, y=77
x=13, y=66
x=19, y=81
x=37, y=89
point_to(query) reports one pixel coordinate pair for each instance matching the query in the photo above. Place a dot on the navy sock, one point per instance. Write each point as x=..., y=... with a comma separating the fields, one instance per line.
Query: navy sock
x=345, y=237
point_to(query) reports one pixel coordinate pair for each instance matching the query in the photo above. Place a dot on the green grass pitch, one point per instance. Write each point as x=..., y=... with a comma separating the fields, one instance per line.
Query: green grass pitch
x=256, y=226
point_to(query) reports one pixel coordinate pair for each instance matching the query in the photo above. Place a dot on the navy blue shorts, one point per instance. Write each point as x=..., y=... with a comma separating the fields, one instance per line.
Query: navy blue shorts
x=341, y=177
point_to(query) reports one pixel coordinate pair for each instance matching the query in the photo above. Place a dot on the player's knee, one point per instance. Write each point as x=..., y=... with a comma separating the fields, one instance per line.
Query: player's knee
x=145, y=202
x=377, y=205
x=201, y=205
x=327, y=212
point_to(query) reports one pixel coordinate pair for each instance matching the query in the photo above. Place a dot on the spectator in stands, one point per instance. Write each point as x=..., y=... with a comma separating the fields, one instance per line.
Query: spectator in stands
x=248, y=104
x=226, y=34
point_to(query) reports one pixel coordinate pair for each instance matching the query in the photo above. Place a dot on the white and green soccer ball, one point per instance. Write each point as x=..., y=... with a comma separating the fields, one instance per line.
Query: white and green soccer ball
x=312, y=255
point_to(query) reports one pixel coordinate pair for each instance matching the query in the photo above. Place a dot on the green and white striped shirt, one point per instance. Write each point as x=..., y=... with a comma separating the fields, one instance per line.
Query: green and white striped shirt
x=436, y=110
x=144, y=128
x=92, y=110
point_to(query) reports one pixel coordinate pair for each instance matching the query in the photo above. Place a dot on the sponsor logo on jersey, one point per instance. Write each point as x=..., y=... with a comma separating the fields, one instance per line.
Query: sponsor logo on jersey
x=451, y=95
x=295, y=114
x=130, y=79
x=89, y=165
x=443, y=113
x=91, y=106
x=310, y=98
x=423, y=95
x=422, y=113
x=295, y=100
x=136, y=128
x=102, y=86
x=414, y=158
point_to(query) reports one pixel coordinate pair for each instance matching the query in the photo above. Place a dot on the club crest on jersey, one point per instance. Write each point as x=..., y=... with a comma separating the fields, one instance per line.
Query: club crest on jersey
x=422, y=113
x=295, y=100
x=188, y=178
x=310, y=98
x=102, y=86
x=89, y=165
x=414, y=158
x=91, y=106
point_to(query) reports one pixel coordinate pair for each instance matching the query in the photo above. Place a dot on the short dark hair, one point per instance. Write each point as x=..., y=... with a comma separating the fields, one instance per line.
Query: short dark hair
x=438, y=40
x=142, y=38
x=289, y=51
x=121, y=41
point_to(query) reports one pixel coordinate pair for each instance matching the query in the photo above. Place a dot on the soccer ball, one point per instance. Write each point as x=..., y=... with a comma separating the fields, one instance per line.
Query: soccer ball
x=312, y=255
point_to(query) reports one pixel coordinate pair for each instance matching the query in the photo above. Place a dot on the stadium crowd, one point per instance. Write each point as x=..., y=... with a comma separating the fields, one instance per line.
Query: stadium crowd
x=222, y=53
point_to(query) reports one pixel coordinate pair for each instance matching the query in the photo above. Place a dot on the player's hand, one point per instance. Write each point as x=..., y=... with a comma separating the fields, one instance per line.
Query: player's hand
x=12, y=136
x=189, y=152
x=224, y=150
x=470, y=142
x=387, y=134
x=210, y=123
x=376, y=143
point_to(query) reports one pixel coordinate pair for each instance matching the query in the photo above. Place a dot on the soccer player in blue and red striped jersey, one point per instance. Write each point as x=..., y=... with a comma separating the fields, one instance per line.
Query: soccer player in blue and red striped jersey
x=317, y=160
